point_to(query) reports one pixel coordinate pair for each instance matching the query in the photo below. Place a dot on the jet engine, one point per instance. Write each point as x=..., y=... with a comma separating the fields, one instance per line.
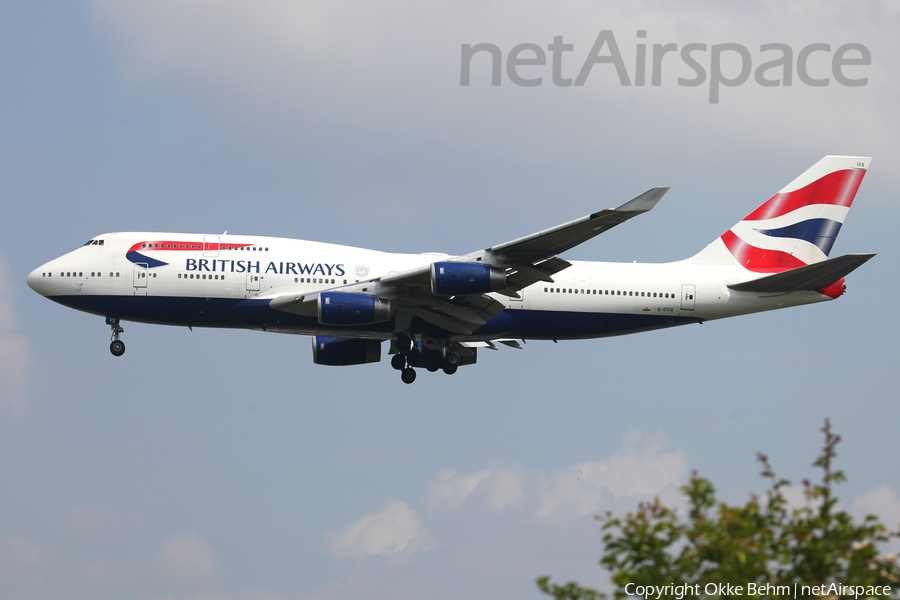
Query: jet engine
x=464, y=279
x=346, y=308
x=338, y=352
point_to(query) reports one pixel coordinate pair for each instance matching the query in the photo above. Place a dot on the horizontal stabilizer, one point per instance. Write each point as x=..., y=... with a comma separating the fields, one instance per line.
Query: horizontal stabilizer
x=811, y=277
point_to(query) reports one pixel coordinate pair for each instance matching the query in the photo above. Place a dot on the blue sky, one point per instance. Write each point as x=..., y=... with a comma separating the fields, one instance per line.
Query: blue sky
x=225, y=465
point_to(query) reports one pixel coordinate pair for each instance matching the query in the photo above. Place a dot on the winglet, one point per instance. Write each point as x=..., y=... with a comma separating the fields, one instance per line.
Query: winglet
x=645, y=201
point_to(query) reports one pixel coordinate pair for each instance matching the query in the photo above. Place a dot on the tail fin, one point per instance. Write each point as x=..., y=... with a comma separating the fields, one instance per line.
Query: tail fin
x=795, y=227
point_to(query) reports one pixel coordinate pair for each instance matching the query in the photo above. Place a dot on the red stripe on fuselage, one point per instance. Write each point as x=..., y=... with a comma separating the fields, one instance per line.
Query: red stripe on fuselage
x=184, y=246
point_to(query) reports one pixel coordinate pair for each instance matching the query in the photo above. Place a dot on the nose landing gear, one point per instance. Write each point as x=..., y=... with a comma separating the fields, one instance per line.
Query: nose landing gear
x=116, y=346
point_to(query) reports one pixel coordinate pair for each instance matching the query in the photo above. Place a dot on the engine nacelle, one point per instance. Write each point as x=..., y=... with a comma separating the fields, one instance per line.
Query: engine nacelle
x=345, y=308
x=339, y=352
x=465, y=279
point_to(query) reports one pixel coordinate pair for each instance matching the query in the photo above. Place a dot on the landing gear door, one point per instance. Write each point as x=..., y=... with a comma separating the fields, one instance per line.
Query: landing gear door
x=141, y=271
x=252, y=282
x=687, y=296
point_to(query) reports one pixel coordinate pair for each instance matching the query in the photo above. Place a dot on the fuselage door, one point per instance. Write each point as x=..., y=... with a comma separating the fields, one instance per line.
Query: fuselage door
x=252, y=282
x=687, y=296
x=141, y=272
x=211, y=246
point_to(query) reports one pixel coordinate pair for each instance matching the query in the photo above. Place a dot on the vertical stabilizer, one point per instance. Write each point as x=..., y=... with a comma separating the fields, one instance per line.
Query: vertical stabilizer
x=795, y=227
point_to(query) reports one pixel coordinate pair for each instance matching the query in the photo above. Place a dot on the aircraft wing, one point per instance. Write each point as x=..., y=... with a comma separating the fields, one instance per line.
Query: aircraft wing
x=523, y=262
x=547, y=243
x=533, y=258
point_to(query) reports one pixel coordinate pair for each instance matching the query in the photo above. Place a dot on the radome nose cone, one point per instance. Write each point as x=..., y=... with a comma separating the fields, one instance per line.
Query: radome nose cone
x=34, y=280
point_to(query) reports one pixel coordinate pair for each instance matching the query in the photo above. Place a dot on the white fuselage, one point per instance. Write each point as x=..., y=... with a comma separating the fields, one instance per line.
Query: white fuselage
x=227, y=281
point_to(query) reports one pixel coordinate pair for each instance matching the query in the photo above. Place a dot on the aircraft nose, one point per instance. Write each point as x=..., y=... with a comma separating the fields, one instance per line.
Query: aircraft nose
x=34, y=280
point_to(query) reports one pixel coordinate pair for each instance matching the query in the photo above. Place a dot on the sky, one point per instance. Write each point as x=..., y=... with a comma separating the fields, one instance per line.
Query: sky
x=225, y=465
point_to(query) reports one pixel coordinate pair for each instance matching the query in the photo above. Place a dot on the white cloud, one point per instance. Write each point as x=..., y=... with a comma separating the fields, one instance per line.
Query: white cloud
x=395, y=531
x=505, y=488
x=393, y=66
x=500, y=487
x=15, y=357
x=450, y=489
x=639, y=471
x=187, y=559
x=882, y=502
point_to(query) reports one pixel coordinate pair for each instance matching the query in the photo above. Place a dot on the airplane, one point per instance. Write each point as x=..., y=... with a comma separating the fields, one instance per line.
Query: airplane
x=437, y=310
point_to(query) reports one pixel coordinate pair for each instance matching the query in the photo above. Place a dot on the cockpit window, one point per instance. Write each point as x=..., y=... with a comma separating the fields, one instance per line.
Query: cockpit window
x=93, y=243
x=89, y=242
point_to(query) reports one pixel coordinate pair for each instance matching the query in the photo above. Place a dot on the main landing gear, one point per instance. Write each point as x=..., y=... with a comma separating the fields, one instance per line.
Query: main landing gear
x=411, y=355
x=116, y=346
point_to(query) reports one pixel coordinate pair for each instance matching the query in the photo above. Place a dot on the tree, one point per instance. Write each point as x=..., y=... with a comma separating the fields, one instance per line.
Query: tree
x=764, y=541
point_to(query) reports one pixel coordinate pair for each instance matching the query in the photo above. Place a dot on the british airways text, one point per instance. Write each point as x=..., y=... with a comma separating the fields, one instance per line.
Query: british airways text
x=217, y=265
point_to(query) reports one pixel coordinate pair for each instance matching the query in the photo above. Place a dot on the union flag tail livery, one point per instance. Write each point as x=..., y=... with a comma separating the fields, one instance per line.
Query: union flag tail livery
x=798, y=225
x=437, y=310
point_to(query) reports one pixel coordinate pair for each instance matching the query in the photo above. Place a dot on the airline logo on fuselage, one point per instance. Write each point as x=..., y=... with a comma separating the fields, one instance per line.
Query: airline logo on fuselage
x=222, y=265
x=136, y=254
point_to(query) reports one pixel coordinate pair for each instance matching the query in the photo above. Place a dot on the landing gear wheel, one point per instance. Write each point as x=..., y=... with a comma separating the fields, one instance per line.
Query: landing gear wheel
x=403, y=344
x=452, y=359
x=398, y=361
x=408, y=375
x=117, y=347
x=450, y=369
x=415, y=358
x=433, y=360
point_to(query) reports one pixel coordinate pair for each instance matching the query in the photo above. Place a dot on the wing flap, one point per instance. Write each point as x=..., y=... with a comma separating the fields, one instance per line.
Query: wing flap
x=521, y=276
